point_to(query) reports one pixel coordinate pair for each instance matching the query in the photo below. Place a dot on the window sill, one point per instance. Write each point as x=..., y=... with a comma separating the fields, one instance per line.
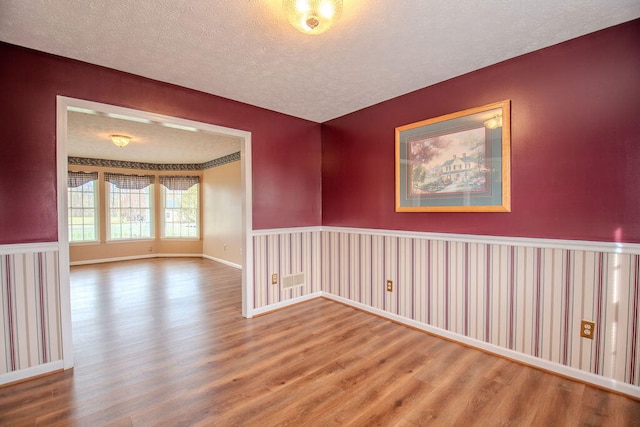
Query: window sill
x=85, y=243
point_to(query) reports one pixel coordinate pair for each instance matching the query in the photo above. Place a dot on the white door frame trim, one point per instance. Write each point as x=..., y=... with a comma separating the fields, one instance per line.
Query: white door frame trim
x=62, y=103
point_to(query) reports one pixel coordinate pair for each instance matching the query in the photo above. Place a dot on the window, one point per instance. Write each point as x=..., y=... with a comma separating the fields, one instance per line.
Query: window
x=181, y=211
x=130, y=206
x=82, y=205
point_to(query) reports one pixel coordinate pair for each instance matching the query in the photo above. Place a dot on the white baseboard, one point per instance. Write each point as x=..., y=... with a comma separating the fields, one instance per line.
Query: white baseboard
x=223, y=261
x=103, y=260
x=546, y=365
x=159, y=255
x=282, y=304
x=134, y=257
x=156, y=255
x=34, y=371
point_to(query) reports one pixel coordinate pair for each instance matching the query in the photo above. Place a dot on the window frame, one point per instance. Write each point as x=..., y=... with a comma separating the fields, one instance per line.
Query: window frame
x=96, y=212
x=107, y=212
x=163, y=213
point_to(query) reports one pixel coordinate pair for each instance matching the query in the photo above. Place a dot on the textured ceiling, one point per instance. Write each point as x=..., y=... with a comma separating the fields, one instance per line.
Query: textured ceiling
x=246, y=50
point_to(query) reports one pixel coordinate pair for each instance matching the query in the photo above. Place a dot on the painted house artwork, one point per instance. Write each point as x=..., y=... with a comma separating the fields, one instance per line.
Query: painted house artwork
x=450, y=163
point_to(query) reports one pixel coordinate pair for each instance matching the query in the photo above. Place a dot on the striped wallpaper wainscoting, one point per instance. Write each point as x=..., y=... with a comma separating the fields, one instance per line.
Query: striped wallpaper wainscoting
x=527, y=299
x=522, y=298
x=285, y=253
x=31, y=326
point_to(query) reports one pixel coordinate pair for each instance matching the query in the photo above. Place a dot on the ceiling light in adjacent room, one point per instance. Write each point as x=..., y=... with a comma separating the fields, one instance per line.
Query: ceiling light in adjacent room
x=120, y=140
x=131, y=119
x=312, y=16
x=80, y=110
x=181, y=127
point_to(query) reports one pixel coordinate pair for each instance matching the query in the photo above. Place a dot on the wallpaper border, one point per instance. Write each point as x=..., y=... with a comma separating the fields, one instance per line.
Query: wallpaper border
x=84, y=161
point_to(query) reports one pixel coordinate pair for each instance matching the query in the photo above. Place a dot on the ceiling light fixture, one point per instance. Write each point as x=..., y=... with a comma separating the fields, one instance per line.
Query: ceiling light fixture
x=181, y=127
x=80, y=110
x=312, y=16
x=131, y=119
x=120, y=140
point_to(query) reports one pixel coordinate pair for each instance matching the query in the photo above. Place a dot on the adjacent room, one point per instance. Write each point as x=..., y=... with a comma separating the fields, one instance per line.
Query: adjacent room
x=320, y=212
x=166, y=188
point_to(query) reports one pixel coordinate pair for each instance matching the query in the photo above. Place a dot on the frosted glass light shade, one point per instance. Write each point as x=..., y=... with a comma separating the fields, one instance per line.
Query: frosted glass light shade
x=312, y=16
x=120, y=140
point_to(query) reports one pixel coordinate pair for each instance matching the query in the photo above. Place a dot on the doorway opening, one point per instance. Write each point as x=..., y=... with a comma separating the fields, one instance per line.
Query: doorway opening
x=63, y=106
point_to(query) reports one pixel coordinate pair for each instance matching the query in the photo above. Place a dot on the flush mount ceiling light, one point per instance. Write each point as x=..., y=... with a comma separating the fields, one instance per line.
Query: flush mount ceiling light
x=120, y=140
x=312, y=16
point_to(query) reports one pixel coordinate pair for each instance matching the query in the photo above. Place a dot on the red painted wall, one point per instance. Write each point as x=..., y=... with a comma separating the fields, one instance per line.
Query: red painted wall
x=286, y=150
x=575, y=145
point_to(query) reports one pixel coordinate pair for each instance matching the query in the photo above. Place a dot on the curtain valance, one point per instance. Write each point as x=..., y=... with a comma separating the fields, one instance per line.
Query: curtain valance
x=179, y=182
x=78, y=179
x=129, y=182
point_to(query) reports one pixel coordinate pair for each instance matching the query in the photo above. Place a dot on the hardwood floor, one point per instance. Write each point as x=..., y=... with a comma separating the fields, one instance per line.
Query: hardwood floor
x=162, y=342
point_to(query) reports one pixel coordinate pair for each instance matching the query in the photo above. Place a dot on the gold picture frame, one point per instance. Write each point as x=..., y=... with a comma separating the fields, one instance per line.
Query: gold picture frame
x=459, y=162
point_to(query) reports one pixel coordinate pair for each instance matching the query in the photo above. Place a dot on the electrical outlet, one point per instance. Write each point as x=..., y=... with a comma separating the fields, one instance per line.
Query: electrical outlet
x=587, y=329
x=389, y=285
x=274, y=279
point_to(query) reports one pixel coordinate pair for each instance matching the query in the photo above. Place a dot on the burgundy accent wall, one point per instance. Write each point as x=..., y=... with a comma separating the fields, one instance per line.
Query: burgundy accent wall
x=575, y=145
x=286, y=150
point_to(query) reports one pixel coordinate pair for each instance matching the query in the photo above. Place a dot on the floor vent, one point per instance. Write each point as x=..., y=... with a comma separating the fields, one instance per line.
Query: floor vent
x=292, y=281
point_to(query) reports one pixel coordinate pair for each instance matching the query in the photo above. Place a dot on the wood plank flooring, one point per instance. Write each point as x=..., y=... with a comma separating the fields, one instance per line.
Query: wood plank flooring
x=162, y=342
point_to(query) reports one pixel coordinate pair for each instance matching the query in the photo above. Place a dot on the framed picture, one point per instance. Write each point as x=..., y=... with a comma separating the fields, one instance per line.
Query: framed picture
x=460, y=162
